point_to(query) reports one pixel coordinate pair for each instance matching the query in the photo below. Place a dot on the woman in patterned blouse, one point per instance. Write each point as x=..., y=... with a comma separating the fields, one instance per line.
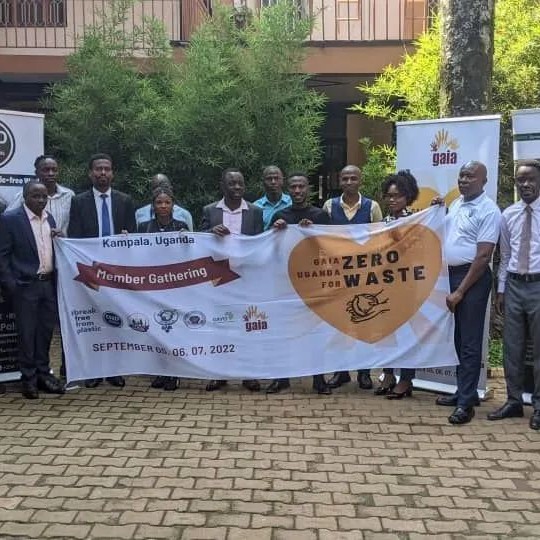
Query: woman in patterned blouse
x=399, y=192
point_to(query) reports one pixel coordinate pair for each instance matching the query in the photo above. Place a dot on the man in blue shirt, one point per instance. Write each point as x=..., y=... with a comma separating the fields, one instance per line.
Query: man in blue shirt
x=146, y=213
x=274, y=199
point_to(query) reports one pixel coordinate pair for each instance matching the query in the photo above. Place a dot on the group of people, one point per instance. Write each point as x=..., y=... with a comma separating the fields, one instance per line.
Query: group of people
x=45, y=209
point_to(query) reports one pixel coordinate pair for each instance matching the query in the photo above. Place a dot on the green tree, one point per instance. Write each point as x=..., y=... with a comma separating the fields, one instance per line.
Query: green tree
x=410, y=91
x=237, y=100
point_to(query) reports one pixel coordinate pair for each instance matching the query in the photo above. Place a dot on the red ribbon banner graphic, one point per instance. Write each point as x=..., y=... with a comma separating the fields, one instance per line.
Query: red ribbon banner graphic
x=154, y=278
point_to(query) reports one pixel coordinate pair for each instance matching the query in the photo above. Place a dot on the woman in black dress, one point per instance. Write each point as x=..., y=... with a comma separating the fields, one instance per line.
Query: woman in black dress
x=399, y=191
x=163, y=221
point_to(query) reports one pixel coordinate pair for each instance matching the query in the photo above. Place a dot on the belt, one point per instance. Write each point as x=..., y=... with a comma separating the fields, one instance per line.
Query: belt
x=529, y=278
x=460, y=268
x=44, y=277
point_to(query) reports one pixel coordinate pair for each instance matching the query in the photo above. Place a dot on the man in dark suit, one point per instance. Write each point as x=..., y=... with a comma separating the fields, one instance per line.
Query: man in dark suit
x=101, y=211
x=27, y=278
x=232, y=215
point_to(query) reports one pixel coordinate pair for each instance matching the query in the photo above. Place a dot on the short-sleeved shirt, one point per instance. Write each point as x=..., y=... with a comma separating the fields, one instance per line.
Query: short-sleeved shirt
x=293, y=215
x=467, y=224
x=270, y=209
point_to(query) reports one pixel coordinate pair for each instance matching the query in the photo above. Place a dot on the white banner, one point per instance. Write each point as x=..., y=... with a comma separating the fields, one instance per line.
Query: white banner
x=21, y=142
x=526, y=131
x=434, y=151
x=285, y=303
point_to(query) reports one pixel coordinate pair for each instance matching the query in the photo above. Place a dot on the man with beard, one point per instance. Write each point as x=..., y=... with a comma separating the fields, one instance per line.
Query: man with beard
x=101, y=211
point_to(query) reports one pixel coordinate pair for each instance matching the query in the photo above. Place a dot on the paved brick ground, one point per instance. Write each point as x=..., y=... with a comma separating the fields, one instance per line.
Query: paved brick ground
x=142, y=463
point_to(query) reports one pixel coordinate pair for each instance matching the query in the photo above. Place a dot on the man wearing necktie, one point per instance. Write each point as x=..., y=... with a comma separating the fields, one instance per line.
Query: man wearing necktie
x=101, y=211
x=519, y=291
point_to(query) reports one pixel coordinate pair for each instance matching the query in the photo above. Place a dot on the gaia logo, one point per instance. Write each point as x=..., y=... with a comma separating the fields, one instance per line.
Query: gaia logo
x=444, y=149
x=255, y=319
x=7, y=144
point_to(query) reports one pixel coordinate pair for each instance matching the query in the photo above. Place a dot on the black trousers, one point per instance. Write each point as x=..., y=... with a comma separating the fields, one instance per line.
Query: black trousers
x=37, y=314
x=469, y=333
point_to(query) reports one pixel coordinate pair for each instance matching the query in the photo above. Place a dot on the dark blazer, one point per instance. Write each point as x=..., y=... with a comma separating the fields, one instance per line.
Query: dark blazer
x=19, y=259
x=83, y=218
x=252, y=219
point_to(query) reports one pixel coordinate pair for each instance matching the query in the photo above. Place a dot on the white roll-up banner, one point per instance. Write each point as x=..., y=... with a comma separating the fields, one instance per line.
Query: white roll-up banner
x=434, y=151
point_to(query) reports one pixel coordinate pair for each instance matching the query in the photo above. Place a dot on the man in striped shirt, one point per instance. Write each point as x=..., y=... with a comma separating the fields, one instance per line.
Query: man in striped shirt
x=58, y=197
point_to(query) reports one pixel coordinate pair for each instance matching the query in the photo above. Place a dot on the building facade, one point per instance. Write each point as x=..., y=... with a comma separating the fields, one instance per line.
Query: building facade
x=352, y=41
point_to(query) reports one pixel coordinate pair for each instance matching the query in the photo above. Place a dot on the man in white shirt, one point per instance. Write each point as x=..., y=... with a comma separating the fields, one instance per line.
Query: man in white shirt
x=58, y=197
x=232, y=215
x=472, y=231
x=518, y=291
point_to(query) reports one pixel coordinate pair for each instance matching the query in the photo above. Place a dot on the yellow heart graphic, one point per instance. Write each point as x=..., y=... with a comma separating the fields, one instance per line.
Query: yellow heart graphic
x=367, y=291
x=427, y=194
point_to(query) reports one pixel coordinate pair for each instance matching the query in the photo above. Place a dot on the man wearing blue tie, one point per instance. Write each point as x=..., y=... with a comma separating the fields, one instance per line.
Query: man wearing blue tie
x=101, y=211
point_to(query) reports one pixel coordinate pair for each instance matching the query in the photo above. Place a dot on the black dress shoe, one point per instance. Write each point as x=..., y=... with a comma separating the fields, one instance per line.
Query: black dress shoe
x=338, y=379
x=278, y=385
x=508, y=410
x=534, y=422
x=158, y=382
x=215, y=385
x=322, y=388
x=92, y=383
x=252, y=385
x=171, y=384
x=451, y=401
x=461, y=415
x=364, y=380
x=50, y=385
x=117, y=381
x=29, y=390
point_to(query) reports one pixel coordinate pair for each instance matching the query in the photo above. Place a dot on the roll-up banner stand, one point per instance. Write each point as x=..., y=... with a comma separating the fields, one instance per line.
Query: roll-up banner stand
x=434, y=151
x=21, y=141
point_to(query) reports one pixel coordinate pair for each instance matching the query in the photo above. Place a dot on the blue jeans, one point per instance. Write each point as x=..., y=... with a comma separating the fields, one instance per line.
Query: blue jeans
x=469, y=333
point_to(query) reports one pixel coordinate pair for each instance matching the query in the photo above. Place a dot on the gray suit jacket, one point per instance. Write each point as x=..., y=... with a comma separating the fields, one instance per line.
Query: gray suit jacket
x=252, y=219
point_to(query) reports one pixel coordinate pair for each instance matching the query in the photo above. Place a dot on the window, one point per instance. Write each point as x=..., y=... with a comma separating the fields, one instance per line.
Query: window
x=32, y=13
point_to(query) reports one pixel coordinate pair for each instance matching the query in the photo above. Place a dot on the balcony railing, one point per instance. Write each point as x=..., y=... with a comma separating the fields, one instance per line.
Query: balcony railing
x=58, y=24
x=363, y=20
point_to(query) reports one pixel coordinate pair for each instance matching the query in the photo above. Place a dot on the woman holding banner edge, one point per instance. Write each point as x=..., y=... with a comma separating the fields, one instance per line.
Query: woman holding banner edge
x=163, y=221
x=399, y=192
